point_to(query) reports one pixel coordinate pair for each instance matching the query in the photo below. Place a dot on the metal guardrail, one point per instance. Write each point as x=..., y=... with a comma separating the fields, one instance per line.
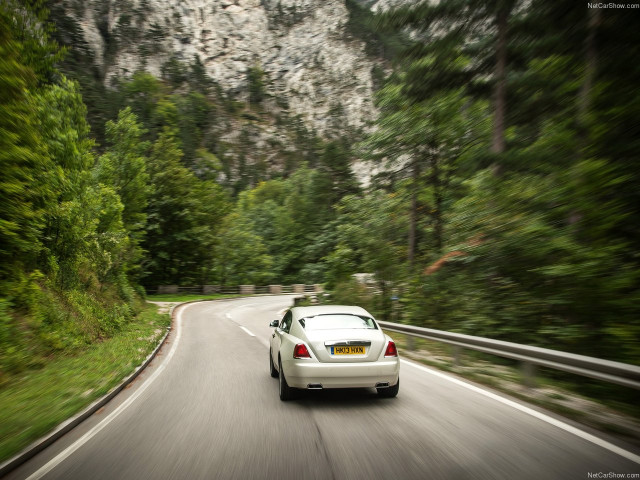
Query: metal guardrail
x=234, y=289
x=605, y=370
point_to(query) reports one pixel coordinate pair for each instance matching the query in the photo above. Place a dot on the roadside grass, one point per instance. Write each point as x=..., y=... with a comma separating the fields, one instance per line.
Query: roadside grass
x=36, y=402
x=609, y=408
x=189, y=297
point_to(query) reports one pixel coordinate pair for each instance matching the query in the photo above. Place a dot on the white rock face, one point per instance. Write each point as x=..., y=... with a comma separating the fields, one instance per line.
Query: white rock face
x=302, y=45
x=382, y=5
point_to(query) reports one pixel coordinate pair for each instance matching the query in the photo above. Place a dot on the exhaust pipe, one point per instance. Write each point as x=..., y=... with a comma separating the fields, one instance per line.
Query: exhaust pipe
x=382, y=385
x=314, y=386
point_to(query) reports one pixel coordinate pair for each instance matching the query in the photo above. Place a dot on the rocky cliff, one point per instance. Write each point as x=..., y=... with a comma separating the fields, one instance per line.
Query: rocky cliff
x=304, y=47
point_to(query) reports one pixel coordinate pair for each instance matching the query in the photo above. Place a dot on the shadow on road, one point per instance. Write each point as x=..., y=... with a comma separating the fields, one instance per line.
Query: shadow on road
x=342, y=398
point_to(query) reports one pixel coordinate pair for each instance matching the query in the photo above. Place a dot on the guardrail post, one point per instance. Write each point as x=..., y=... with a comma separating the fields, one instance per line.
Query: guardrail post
x=167, y=288
x=528, y=374
x=275, y=289
x=457, y=355
x=247, y=289
x=411, y=344
x=298, y=287
x=209, y=289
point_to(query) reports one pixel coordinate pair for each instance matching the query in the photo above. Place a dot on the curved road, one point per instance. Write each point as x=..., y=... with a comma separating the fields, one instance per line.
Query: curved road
x=206, y=408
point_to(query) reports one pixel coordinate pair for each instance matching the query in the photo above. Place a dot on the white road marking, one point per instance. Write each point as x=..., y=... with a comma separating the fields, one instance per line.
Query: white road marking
x=534, y=413
x=228, y=314
x=247, y=330
x=107, y=420
x=94, y=431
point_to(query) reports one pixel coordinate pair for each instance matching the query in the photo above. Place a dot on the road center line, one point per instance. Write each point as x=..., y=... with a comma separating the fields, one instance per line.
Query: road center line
x=228, y=314
x=247, y=330
x=46, y=468
x=534, y=413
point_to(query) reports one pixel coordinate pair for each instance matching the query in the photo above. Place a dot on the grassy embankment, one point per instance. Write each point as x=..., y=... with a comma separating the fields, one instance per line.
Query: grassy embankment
x=39, y=400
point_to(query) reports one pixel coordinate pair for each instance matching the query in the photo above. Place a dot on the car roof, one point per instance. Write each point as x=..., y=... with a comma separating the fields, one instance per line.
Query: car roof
x=302, y=312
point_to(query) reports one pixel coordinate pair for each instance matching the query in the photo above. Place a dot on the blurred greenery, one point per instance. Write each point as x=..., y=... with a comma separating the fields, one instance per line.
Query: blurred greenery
x=34, y=404
x=533, y=242
x=506, y=202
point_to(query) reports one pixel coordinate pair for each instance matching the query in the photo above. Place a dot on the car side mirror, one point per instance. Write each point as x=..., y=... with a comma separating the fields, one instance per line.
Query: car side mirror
x=274, y=323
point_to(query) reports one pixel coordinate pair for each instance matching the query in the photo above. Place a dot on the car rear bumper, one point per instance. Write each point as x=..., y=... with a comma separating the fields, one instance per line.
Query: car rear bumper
x=302, y=373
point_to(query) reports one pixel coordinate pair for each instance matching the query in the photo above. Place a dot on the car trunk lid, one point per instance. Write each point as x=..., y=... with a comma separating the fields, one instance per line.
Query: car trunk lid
x=346, y=345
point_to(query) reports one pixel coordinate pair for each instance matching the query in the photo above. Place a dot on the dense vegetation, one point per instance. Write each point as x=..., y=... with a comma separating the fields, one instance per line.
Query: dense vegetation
x=507, y=206
x=70, y=230
x=521, y=136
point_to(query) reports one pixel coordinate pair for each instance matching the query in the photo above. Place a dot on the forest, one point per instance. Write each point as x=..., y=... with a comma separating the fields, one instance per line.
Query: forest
x=505, y=203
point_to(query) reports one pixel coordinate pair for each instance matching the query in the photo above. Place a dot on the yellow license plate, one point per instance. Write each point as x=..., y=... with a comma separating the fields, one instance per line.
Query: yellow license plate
x=350, y=350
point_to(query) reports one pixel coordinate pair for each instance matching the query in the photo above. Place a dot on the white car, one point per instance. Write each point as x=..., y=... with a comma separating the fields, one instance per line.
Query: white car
x=332, y=347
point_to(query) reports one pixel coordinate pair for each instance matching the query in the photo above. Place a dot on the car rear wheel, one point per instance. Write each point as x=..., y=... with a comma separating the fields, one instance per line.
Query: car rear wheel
x=389, y=392
x=286, y=392
x=272, y=367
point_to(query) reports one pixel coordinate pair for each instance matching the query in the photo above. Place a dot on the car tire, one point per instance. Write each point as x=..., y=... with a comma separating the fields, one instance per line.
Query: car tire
x=389, y=392
x=272, y=367
x=286, y=392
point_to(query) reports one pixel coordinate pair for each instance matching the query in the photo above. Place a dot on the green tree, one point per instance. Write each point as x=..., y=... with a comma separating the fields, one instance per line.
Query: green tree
x=241, y=255
x=28, y=22
x=370, y=239
x=424, y=144
x=65, y=133
x=174, y=71
x=255, y=81
x=183, y=216
x=24, y=197
x=476, y=29
x=142, y=93
x=123, y=168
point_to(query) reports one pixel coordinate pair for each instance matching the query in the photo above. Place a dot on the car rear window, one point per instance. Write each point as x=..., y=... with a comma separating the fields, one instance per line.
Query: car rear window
x=337, y=321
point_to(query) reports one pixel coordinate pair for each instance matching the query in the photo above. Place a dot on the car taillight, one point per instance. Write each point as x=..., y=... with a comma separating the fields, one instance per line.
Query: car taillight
x=391, y=350
x=300, y=351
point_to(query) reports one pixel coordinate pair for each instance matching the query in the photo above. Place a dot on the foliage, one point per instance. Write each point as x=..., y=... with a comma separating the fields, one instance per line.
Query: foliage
x=182, y=217
x=255, y=80
x=64, y=385
x=23, y=200
x=535, y=241
x=123, y=169
x=507, y=205
x=242, y=257
x=64, y=242
x=378, y=43
x=124, y=166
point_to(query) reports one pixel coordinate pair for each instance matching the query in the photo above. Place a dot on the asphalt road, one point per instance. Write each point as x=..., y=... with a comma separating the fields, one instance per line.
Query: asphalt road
x=206, y=408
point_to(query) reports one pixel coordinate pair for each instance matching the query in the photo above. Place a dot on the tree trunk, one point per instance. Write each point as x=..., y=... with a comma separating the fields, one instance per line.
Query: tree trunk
x=500, y=88
x=584, y=97
x=438, y=227
x=413, y=215
x=584, y=101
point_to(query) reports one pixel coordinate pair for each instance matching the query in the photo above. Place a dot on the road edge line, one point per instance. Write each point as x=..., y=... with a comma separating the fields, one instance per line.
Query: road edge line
x=65, y=427
x=600, y=442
